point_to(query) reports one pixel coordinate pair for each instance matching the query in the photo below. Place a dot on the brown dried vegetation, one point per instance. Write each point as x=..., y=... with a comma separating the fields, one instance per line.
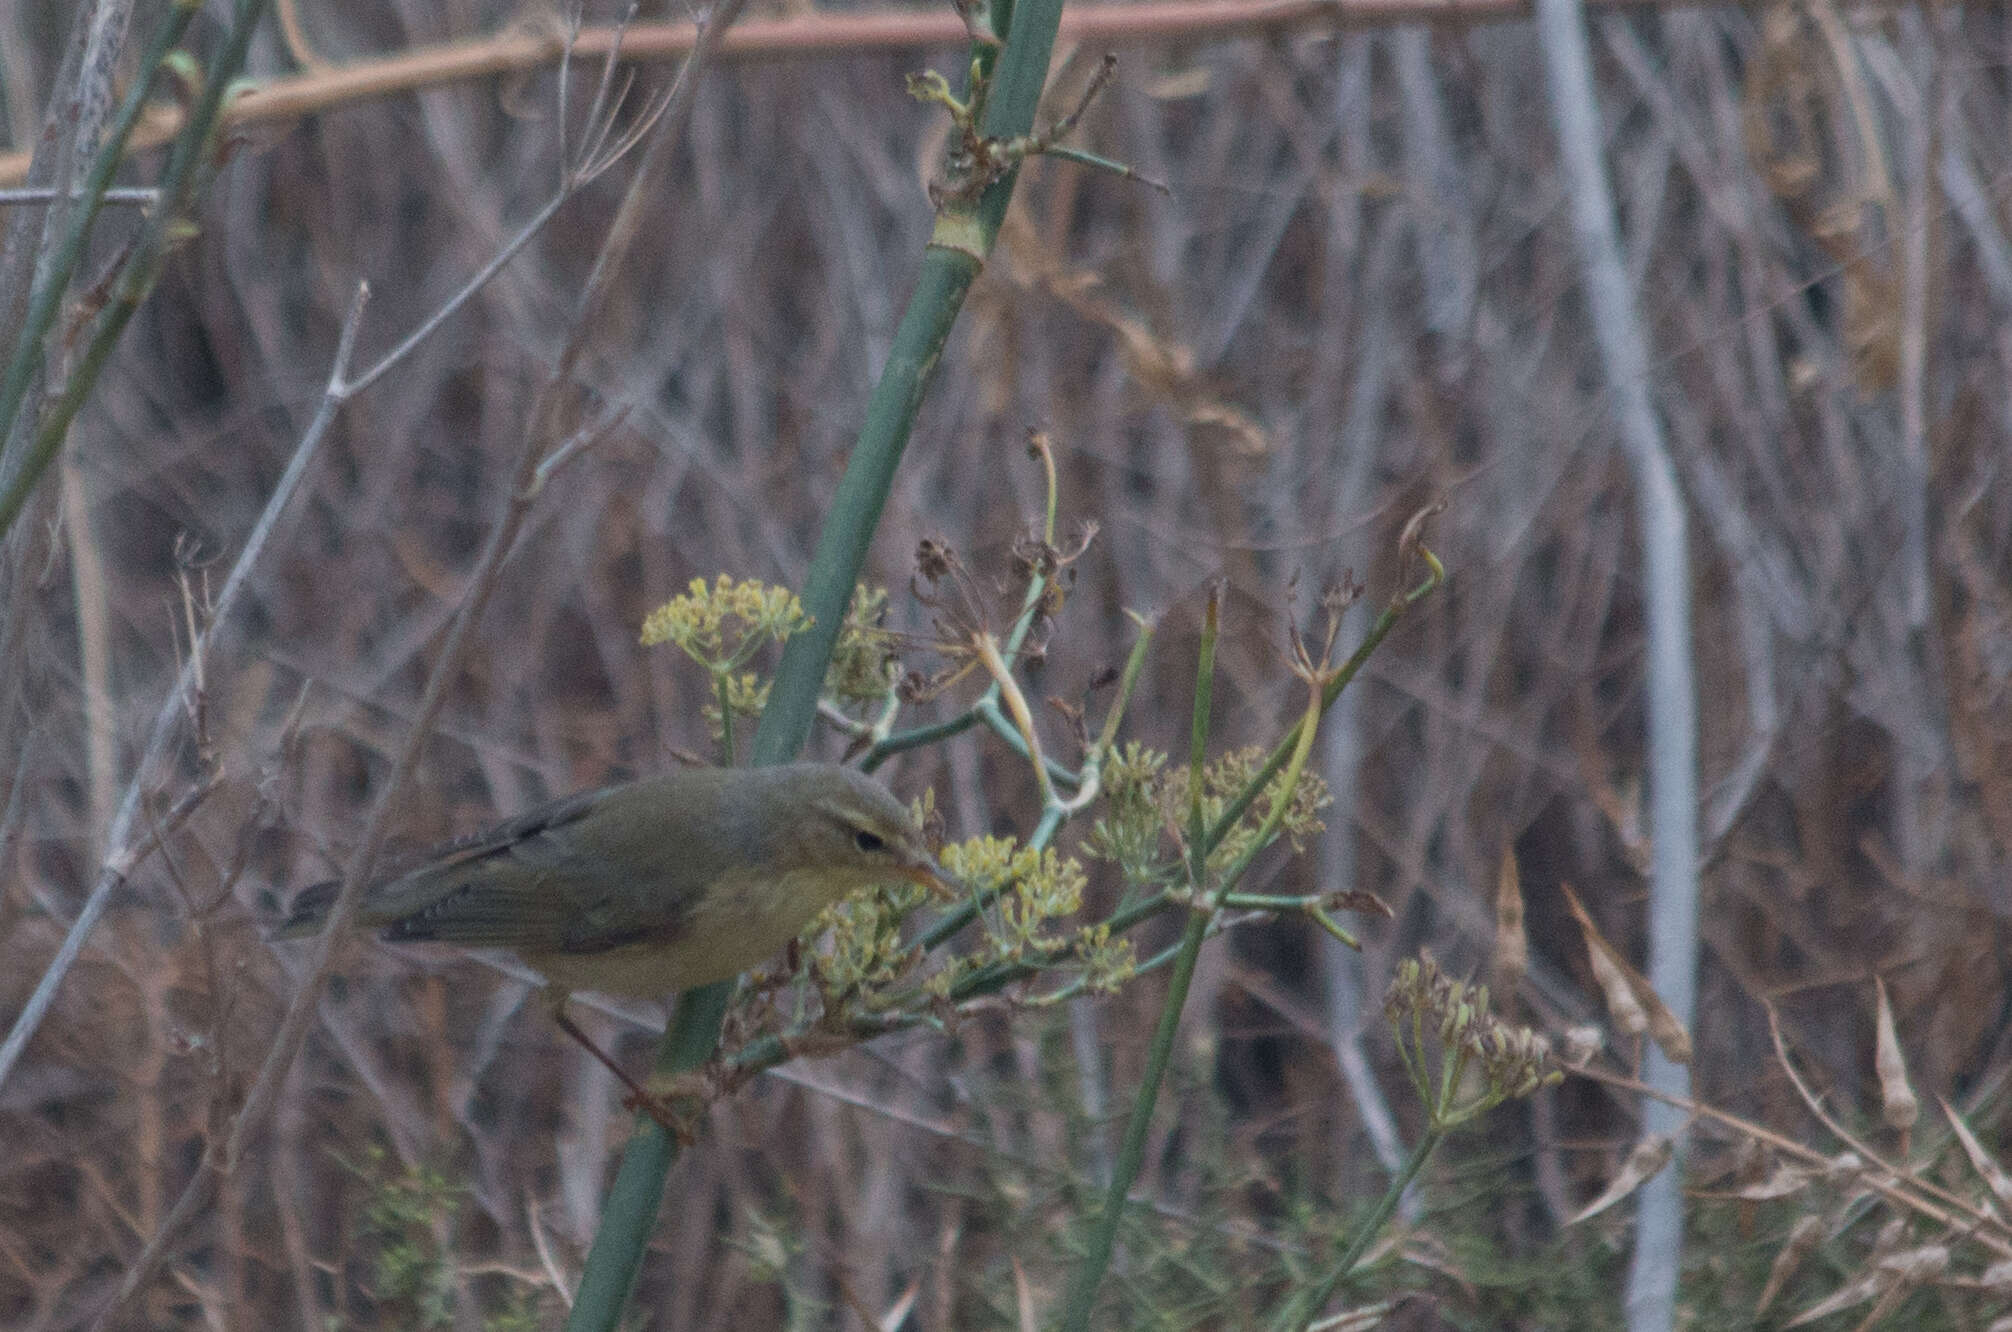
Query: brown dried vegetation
x=1360, y=296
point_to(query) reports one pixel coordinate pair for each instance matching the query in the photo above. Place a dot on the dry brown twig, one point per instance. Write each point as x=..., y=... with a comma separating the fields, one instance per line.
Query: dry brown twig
x=546, y=437
x=529, y=47
x=1910, y=1189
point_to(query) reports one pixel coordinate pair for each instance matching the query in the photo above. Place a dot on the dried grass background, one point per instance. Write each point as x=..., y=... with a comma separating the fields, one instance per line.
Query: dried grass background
x=1360, y=296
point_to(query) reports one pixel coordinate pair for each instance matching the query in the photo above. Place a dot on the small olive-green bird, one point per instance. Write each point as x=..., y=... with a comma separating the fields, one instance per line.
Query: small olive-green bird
x=654, y=886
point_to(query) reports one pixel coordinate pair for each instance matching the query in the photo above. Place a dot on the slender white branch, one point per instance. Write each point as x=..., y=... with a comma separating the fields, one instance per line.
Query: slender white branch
x=1672, y=691
x=126, y=841
x=144, y=195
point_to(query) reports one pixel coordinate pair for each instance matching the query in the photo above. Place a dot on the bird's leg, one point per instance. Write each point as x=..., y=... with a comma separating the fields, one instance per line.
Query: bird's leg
x=656, y=1104
x=572, y=1029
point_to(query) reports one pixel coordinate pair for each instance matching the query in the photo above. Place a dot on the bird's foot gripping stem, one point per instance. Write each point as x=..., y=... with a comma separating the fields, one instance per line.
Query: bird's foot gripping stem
x=677, y=1101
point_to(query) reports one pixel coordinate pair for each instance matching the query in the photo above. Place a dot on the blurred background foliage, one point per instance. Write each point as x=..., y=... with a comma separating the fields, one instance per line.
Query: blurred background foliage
x=1357, y=298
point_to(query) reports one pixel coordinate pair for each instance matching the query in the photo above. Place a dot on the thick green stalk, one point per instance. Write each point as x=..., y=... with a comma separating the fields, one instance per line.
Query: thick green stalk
x=631, y=1211
x=855, y=511
x=946, y=275
x=638, y=1190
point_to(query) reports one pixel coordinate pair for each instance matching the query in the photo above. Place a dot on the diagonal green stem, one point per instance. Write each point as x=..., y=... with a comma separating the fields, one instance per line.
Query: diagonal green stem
x=1085, y=780
x=142, y=266
x=945, y=277
x=1082, y=1293
x=1301, y=1316
x=1378, y=631
x=47, y=300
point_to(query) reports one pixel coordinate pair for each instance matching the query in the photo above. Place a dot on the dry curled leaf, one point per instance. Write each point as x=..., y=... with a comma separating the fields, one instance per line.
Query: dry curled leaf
x=1981, y=1161
x=1644, y=1163
x=1803, y=1238
x=1784, y=1181
x=1897, y=1102
x=1617, y=977
x=1889, y=1280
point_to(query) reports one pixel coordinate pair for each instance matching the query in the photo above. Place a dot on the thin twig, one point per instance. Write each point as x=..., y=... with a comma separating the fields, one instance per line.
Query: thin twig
x=520, y=49
x=219, y=1162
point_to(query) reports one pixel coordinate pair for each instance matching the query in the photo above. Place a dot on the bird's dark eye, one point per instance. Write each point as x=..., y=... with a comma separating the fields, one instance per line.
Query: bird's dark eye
x=868, y=842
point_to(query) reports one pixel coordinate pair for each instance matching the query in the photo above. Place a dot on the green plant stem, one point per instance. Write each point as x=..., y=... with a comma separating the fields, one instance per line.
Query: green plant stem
x=1334, y=927
x=1207, y=900
x=46, y=301
x=1086, y=780
x=984, y=712
x=855, y=512
x=142, y=266
x=1367, y=1232
x=726, y=717
x=785, y=724
x=1198, y=742
x=1082, y=1293
x=638, y=1189
x=945, y=277
x=1295, y=764
x=1046, y=457
x=1341, y=679
x=1128, y=680
x=1270, y=901
x=918, y=737
x=1081, y=1297
x=1412, y=1055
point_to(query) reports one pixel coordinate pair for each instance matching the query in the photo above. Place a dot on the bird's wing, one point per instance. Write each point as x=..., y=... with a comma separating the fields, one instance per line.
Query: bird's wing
x=521, y=842
x=524, y=838
x=513, y=886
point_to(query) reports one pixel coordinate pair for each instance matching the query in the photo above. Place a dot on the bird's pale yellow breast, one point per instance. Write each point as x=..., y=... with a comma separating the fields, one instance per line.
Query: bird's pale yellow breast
x=743, y=919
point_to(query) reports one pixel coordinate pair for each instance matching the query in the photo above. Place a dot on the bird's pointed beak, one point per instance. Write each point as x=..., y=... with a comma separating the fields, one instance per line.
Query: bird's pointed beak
x=925, y=871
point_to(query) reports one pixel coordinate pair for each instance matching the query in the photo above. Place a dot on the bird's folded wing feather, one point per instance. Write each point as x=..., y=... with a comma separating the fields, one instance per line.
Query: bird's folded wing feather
x=505, y=887
x=522, y=837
